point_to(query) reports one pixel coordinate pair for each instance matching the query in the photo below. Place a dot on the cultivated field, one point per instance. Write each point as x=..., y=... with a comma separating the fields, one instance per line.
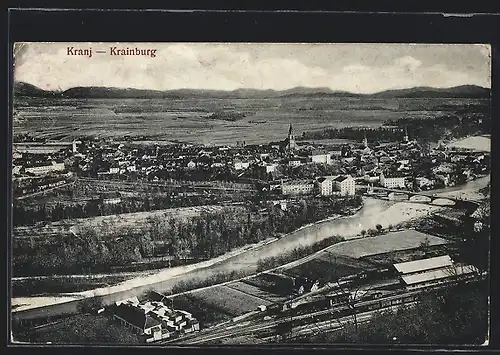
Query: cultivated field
x=176, y=120
x=253, y=290
x=272, y=283
x=230, y=300
x=384, y=243
x=329, y=267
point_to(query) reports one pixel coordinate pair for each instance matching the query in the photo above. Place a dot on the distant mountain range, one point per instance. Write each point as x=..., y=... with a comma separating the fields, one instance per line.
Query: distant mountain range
x=22, y=89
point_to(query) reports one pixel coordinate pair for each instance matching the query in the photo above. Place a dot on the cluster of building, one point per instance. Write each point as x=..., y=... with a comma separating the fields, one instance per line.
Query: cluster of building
x=338, y=185
x=153, y=319
x=393, y=165
x=400, y=165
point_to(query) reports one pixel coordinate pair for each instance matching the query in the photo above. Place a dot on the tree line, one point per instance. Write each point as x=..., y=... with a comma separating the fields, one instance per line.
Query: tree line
x=23, y=214
x=426, y=129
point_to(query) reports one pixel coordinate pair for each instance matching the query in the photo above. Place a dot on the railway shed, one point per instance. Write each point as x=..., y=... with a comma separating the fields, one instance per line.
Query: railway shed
x=439, y=276
x=423, y=265
x=432, y=271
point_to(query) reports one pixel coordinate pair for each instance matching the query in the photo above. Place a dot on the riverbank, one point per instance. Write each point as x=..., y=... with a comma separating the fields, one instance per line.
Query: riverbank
x=246, y=259
x=468, y=191
x=23, y=303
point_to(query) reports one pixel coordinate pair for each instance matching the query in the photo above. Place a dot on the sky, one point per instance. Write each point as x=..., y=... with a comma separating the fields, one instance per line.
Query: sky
x=359, y=68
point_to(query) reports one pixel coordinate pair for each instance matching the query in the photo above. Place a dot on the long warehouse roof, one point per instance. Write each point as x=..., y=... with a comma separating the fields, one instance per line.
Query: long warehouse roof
x=424, y=264
x=438, y=274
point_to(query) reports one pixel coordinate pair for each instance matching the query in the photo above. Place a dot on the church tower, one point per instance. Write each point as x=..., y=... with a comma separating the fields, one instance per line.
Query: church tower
x=365, y=142
x=405, y=138
x=291, y=139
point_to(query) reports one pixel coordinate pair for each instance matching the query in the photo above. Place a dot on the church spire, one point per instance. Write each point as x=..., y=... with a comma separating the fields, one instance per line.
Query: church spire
x=405, y=138
x=365, y=141
x=291, y=139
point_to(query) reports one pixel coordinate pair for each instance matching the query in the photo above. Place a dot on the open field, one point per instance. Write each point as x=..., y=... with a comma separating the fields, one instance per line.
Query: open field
x=401, y=256
x=129, y=221
x=318, y=269
x=329, y=267
x=384, y=243
x=256, y=291
x=273, y=283
x=175, y=119
x=230, y=300
x=477, y=143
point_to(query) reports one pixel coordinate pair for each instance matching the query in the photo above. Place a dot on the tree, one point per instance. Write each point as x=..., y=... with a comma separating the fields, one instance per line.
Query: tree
x=371, y=232
x=89, y=304
x=363, y=232
x=379, y=227
x=355, y=294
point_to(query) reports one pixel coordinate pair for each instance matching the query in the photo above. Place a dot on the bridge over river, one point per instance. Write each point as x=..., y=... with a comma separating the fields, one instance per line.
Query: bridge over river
x=428, y=197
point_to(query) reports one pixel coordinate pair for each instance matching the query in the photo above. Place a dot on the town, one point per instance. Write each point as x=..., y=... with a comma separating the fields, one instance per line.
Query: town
x=286, y=167
x=285, y=173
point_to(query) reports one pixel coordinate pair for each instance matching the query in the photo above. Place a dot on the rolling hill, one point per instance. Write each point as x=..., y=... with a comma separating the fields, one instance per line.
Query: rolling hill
x=465, y=91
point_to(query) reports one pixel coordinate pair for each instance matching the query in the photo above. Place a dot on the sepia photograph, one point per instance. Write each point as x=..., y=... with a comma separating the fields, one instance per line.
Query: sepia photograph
x=196, y=194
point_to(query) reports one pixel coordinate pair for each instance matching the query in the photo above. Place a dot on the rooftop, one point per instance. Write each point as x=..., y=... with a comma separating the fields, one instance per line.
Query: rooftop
x=424, y=264
x=438, y=274
x=342, y=178
x=297, y=182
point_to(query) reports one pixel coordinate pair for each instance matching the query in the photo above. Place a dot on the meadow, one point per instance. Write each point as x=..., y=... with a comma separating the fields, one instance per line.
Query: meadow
x=187, y=120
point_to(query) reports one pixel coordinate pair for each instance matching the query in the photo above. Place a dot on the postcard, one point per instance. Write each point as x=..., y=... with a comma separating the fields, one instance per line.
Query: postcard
x=250, y=193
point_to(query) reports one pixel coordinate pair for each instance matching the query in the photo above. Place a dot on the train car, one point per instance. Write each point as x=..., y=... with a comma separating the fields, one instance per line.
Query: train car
x=385, y=303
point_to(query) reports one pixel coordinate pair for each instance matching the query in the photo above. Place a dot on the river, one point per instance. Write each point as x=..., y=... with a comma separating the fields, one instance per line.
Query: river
x=374, y=211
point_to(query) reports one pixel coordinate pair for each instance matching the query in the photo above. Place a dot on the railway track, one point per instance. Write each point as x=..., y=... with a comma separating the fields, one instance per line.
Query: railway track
x=164, y=185
x=310, y=322
x=296, y=320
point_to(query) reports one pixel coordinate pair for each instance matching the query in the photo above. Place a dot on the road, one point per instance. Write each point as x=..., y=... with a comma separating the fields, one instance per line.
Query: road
x=44, y=191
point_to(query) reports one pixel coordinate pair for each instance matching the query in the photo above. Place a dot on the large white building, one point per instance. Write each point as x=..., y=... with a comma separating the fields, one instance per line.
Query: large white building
x=297, y=187
x=343, y=185
x=240, y=165
x=325, y=186
x=392, y=182
x=321, y=158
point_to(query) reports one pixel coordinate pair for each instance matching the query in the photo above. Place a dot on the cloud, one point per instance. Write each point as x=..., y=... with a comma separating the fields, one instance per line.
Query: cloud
x=224, y=67
x=408, y=63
